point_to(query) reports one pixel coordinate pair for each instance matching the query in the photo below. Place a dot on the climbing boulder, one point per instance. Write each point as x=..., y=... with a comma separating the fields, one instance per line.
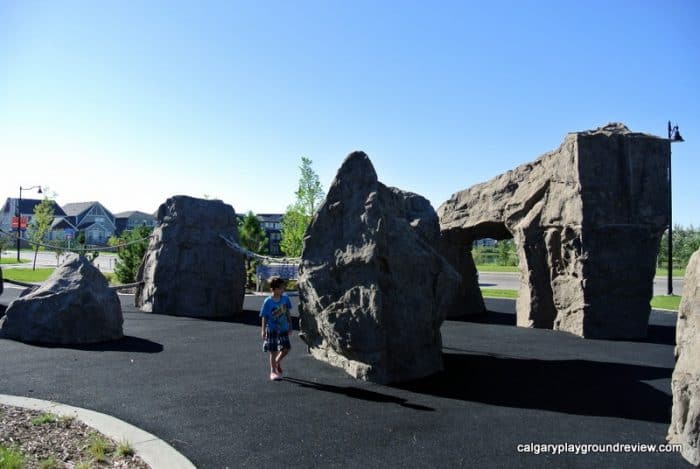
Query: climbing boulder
x=73, y=306
x=188, y=269
x=372, y=285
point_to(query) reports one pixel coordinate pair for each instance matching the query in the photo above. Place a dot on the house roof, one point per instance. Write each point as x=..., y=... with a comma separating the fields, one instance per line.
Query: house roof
x=270, y=216
x=61, y=223
x=26, y=206
x=131, y=213
x=77, y=208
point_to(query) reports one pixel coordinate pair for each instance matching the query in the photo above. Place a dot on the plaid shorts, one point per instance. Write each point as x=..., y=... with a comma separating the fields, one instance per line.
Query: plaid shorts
x=276, y=341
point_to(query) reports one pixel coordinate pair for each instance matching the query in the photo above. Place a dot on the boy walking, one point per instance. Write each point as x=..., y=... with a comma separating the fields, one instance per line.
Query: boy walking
x=276, y=325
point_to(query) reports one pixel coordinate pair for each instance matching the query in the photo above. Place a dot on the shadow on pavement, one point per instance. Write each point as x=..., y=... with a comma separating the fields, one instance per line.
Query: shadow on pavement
x=125, y=344
x=357, y=393
x=579, y=387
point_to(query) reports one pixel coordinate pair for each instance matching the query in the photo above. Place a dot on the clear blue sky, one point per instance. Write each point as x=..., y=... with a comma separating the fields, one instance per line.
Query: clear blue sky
x=129, y=103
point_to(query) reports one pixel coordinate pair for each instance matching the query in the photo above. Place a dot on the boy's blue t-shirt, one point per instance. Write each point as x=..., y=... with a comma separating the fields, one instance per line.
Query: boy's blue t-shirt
x=276, y=313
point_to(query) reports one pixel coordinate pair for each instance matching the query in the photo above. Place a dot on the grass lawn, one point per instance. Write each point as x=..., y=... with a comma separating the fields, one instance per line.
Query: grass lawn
x=27, y=275
x=663, y=272
x=13, y=260
x=41, y=274
x=496, y=293
x=657, y=302
x=666, y=302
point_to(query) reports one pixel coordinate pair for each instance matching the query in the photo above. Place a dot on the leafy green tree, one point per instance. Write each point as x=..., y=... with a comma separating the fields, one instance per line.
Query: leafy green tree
x=252, y=237
x=5, y=242
x=309, y=196
x=40, y=224
x=506, y=252
x=133, y=245
x=685, y=242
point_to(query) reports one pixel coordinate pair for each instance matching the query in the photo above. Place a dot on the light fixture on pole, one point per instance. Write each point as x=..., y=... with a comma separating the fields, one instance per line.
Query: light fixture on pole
x=673, y=136
x=18, y=214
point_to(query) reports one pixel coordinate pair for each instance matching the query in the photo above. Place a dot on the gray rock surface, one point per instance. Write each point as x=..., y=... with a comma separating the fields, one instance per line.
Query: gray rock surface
x=587, y=219
x=188, y=270
x=73, y=306
x=685, y=383
x=373, y=287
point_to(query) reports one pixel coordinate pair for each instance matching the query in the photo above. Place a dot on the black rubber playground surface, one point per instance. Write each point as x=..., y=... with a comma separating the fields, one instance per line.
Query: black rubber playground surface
x=203, y=387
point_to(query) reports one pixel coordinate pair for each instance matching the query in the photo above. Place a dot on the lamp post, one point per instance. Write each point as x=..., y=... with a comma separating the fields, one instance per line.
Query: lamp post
x=673, y=136
x=18, y=213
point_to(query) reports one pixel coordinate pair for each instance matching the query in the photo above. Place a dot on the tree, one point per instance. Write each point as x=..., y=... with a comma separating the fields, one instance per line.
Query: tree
x=252, y=237
x=133, y=245
x=60, y=246
x=5, y=242
x=40, y=224
x=309, y=196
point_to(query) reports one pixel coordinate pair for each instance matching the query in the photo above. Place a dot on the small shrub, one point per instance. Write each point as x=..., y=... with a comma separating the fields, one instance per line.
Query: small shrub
x=11, y=458
x=124, y=449
x=44, y=419
x=98, y=447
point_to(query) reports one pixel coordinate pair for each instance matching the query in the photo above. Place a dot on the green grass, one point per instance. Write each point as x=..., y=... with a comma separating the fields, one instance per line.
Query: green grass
x=666, y=302
x=49, y=463
x=11, y=458
x=44, y=418
x=496, y=293
x=657, y=302
x=98, y=447
x=663, y=272
x=13, y=260
x=27, y=275
x=124, y=449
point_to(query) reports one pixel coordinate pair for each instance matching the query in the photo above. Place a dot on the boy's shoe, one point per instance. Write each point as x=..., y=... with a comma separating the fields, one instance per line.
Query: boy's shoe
x=275, y=377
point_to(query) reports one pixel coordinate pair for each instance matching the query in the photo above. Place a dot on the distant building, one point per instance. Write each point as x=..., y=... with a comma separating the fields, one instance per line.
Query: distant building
x=485, y=243
x=130, y=220
x=26, y=211
x=93, y=219
x=272, y=224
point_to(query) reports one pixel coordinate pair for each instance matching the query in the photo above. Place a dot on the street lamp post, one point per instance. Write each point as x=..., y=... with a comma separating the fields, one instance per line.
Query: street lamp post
x=18, y=213
x=673, y=136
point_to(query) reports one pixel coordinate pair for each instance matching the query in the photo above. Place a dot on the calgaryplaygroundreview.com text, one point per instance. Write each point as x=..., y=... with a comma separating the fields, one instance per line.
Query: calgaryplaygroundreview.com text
x=586, y=448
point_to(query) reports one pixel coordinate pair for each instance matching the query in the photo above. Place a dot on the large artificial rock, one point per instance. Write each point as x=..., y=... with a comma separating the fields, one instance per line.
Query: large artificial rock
x=188, y=269
x=73, y=306
x=587, y=219
x=373, y=287
x=685, y=383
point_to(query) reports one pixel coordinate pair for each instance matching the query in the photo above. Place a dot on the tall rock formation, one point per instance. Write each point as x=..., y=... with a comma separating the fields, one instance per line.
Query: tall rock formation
x=372, y=285
x=685, y=383
x=188, y=269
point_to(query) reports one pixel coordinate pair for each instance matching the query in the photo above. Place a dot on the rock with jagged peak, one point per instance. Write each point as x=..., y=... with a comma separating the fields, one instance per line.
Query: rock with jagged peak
x=373, y=286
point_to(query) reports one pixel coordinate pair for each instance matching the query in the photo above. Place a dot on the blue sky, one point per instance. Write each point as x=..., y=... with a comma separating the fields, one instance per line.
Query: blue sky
x=129, y=103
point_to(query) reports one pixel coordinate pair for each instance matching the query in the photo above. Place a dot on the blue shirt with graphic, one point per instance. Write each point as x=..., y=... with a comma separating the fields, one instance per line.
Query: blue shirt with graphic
x=275, y=312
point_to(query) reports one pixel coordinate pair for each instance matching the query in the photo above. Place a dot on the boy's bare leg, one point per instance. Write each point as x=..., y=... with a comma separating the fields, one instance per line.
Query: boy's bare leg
x=273, y=362
x=280, y=356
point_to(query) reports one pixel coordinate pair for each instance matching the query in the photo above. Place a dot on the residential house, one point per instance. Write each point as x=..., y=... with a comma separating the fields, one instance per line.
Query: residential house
x=26, y=212
x=130, y=220
x=93, y=219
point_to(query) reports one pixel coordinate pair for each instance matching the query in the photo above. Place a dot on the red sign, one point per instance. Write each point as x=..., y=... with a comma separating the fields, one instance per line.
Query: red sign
x=23, y=223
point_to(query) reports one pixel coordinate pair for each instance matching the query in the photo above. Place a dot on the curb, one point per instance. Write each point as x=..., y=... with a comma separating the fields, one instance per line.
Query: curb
x=154, y=451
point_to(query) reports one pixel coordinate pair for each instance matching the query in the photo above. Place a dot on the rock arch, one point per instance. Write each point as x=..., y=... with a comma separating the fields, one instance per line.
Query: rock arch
x=586, y=218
